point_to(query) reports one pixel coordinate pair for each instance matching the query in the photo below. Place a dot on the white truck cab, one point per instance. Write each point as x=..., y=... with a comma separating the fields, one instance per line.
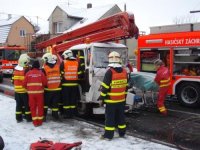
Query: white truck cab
x=96, y=63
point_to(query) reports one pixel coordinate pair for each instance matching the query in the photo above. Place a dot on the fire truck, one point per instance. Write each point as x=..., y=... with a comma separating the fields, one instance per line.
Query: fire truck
x=93, y=43
x=9, y=56
x=181, y=54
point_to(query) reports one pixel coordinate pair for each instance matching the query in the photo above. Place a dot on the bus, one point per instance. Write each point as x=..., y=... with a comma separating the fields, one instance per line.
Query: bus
x=180, y=51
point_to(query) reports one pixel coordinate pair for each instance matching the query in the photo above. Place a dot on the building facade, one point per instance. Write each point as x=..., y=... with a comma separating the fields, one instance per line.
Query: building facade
x=16, y=31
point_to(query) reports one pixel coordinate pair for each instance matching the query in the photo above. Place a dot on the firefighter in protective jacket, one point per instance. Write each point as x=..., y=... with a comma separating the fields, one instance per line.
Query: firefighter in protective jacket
x=81, y=61
x=60, y=103
x=70, y=87
x=113, y=94
x=163, y=80
x=52, y=93
x=34, y=82
x=21, y=96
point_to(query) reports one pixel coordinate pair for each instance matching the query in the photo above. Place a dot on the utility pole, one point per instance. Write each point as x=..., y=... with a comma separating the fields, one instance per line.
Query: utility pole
x=68, y=3
x=194, y=11
x=124, y=6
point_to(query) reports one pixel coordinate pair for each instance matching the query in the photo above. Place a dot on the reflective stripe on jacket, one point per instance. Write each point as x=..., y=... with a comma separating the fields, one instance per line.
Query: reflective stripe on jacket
x=71, y=69
x=53, y=77
x=117, y=87
x=35, y=81
x=18, y=78
x=163, y=77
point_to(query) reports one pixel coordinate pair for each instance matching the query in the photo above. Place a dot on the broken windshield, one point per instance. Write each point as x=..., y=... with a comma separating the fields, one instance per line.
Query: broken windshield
x=100, y=56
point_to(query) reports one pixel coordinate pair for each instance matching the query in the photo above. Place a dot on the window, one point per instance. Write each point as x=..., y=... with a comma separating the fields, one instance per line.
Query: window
x=22, y=33
x=147, y=60
x=100, y=56
x=58, y=27
x=12, y=54
x=187, y=61
x=149, y=56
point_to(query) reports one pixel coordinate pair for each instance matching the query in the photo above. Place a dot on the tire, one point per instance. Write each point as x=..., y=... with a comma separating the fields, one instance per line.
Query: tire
x=1, y=79
x=189, y=94
x=85, y=109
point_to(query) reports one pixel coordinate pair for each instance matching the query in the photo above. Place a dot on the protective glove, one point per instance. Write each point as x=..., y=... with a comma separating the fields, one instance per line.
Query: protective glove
x=100, y=101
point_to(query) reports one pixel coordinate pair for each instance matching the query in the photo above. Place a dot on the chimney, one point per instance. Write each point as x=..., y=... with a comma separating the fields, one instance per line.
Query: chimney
x=9, y=16
x=89, y=5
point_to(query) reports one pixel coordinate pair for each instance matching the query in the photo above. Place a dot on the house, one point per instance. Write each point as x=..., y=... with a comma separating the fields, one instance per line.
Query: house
x=65, y=18
x=16, y=31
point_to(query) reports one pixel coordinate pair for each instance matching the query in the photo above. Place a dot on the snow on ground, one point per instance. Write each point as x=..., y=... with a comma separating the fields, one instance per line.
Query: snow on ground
x=7, y=87
x=19, y=136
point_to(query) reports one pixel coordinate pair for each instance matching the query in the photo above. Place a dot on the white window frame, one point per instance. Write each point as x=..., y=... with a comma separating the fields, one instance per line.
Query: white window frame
x=22, y=33
x=58, y=27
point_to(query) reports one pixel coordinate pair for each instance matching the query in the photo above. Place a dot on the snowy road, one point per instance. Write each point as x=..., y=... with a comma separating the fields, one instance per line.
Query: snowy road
x=19, y=136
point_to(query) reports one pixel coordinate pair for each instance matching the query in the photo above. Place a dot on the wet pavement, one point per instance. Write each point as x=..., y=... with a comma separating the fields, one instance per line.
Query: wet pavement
x=180, y=129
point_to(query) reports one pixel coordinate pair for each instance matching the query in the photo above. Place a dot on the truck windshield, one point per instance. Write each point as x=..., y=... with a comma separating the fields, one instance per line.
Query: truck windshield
x=100, y=56
x=12, y=54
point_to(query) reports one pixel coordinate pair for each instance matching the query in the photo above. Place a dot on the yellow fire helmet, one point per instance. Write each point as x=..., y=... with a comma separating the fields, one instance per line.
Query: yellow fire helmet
x=54, y=57
x=47, y=57
x=68, y=54
x=114, y=57
x=24, y=59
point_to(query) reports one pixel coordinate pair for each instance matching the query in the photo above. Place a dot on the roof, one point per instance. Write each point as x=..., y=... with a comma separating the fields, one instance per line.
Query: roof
x=5, y=26
x=96, y=44
x=9, y=21
x=92, y=15
x=74, y=12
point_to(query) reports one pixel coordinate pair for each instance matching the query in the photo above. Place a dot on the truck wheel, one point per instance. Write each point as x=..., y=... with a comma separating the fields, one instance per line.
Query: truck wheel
x=85, y=109
x=189, y=94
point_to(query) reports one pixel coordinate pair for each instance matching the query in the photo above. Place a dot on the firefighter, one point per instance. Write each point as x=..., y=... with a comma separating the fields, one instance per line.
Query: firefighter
x=52, y=93
x=70, y=90
x=21, y=96
x=34, y=82
x=130, y=67
x=81, y=61
x=60, y=103
x=113, y=94
x=163, y=80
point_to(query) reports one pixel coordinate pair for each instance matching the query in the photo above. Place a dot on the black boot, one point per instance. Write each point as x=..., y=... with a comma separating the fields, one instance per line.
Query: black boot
x=28, y=118
x=19, y=118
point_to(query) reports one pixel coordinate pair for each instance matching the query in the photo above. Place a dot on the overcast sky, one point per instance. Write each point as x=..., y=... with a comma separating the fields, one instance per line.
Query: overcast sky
x=147, y=12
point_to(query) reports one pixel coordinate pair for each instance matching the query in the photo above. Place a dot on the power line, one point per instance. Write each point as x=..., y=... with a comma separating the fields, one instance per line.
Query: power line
x=195, y=11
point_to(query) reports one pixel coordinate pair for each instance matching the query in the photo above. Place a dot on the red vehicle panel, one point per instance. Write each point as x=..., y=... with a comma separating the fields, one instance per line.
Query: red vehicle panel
x=181, y=53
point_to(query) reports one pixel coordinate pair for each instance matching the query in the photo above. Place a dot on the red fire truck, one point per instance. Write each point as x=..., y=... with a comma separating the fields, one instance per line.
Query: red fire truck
x=9, y=56
x=181, y=53
x=93, y=42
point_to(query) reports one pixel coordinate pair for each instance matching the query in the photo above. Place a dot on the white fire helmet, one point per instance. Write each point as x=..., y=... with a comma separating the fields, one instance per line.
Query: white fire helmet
x=47, y=57
x=158, y=62
x=114, y=57
x=54, y=57
x=23, y=61
x=68, y=54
